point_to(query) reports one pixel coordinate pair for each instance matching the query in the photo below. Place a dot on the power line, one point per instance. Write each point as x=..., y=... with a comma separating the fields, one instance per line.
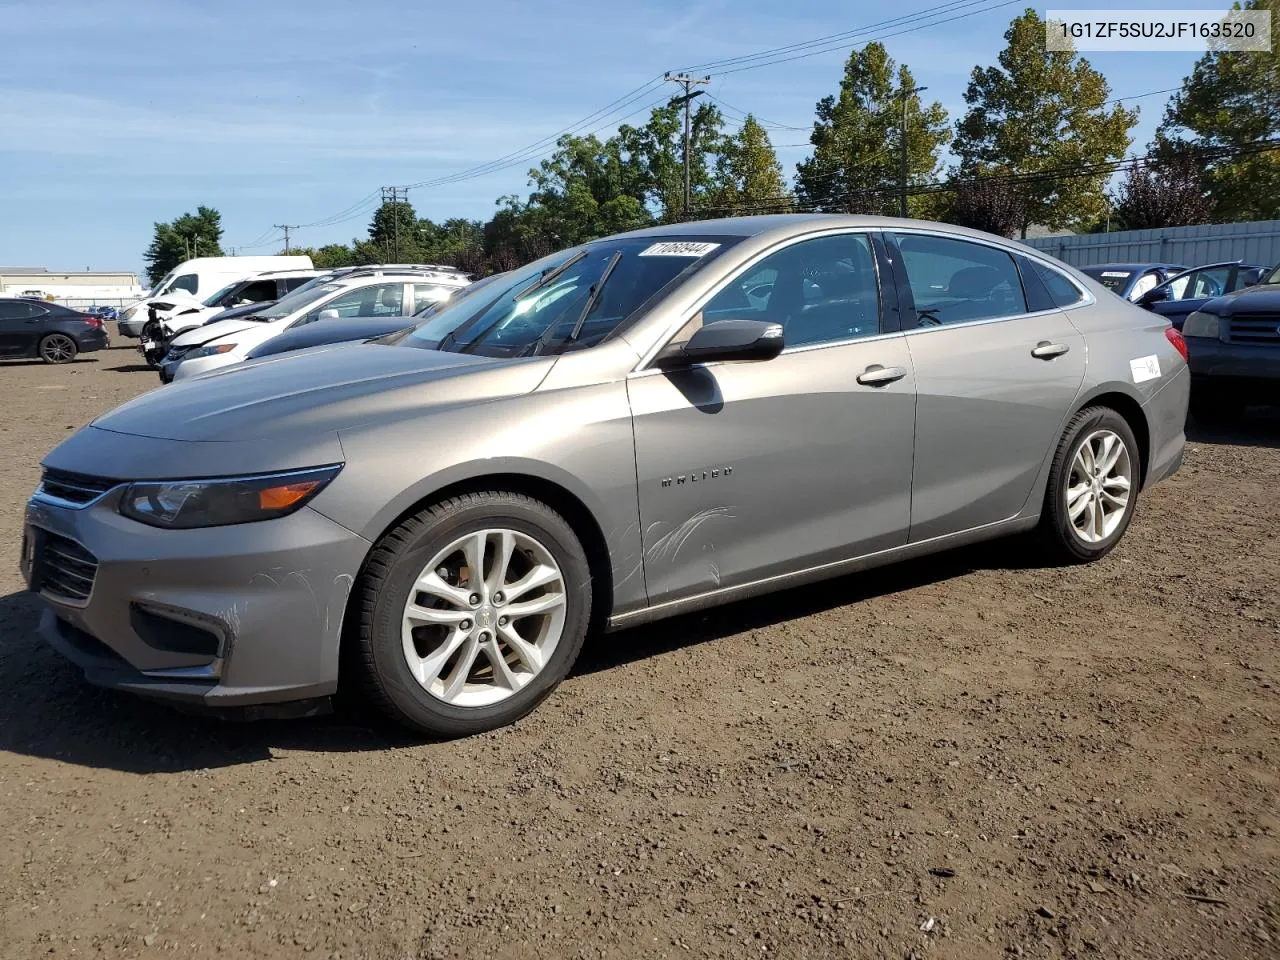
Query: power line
x=286, y=227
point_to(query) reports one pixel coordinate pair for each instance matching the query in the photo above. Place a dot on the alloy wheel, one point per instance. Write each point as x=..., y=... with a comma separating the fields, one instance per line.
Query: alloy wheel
x=58, y=348
x=1099, y=485
x=484, y=617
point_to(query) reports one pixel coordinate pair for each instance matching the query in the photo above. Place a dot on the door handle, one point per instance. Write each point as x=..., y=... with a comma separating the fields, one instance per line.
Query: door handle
x=1044, y=350
x=877, y=376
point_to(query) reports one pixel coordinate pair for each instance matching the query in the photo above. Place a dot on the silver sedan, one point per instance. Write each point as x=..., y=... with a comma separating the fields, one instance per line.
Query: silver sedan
x=645, y=425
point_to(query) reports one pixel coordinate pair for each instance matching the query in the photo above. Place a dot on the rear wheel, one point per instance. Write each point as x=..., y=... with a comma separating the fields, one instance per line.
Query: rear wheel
x=472, y=612
x=58, y=348
x=1093, y=486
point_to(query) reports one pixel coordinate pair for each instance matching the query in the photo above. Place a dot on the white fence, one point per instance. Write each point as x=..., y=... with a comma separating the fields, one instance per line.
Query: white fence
x=1257, y=242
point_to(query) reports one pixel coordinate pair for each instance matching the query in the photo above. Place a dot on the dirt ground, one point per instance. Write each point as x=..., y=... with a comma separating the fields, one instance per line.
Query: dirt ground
x=963, y=757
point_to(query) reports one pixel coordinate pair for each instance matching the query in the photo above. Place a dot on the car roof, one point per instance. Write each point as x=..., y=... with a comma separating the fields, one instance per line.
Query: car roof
x=1133, y=267
x=784, y=225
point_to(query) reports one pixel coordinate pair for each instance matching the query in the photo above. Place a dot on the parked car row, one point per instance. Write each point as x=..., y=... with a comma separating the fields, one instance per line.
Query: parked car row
x=1229, y=314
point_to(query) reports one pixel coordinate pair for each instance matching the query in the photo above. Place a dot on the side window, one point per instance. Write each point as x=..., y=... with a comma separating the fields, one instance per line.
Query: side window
x=379, y=300
x=957, y=281
x=1062, y=291
x=822, y=291
x=1200, y=283
x=293, y=283
x=1146, y=282
x=13, y=310
x=259, y=291
x=188, y=282
x=425, y=294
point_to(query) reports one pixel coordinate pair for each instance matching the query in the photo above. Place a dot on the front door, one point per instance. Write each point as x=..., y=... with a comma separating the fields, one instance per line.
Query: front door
x=750, y=470
x=994, y=383
x=19, y=327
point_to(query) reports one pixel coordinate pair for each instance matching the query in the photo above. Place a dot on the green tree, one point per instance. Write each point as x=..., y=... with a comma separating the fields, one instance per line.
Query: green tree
x=856, y=161
x=1043, y=112
x=1231, y=103
x=328, y=256
x=748, y=176
x=653, y=158
x=191, y=235
x=393, y=235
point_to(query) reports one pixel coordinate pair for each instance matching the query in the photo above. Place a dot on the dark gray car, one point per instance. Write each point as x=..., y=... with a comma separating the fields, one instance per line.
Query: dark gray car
x=649, y=424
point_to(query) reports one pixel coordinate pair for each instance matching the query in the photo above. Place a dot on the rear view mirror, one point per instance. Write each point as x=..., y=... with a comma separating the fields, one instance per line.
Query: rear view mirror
x=726, y=340
x=1154, y=295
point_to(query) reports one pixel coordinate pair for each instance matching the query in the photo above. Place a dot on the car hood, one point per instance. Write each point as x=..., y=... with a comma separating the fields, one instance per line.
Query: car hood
x=336, y=331
x=1264, y=298
x=198, y=336
x=297, y=394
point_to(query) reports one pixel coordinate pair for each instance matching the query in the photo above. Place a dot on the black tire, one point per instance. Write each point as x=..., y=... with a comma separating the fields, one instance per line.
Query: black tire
x=58, y=348
x=374, y=666
x=1057, y=533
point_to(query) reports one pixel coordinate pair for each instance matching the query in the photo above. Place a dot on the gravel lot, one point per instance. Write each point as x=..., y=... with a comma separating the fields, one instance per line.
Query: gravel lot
x=963, y=757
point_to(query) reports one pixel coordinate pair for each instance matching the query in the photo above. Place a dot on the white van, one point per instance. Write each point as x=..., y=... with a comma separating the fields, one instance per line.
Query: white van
x=194, y=281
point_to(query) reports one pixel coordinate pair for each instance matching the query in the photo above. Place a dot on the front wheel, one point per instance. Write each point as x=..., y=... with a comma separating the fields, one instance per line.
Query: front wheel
x=471, y=613
x=1093, y=486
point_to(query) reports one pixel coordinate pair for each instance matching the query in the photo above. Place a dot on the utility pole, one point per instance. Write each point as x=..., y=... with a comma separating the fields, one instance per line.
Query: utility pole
x=286, y=227
x=902, y=159
x=395, y=196
x=688, y=83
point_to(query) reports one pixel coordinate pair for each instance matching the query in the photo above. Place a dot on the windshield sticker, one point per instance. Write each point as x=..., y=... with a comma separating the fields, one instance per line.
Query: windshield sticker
x=1145, y=368
x=1113, y=273
x=678, y=249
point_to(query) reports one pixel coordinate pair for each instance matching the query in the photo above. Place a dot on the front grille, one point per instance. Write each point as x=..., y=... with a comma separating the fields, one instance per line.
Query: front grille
x=1254, y=329
x=74, y=487
x=62, y=567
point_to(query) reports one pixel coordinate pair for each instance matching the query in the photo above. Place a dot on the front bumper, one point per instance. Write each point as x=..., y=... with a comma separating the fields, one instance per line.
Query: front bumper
x=197, y=365
x=1215, y=359
x=215, y=618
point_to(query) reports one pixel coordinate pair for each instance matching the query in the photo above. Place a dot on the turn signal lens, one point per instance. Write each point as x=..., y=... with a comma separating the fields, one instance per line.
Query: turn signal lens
x=284, y=497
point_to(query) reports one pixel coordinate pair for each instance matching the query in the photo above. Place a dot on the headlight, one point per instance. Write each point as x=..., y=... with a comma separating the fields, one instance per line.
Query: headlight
x=181, y=504
x=211, y=351
x=1201, y=324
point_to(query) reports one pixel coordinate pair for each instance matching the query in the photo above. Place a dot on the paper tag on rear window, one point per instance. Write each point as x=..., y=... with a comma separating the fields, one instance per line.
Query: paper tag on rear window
x=1145, y=368
x=678, y=249
x=1113, y=273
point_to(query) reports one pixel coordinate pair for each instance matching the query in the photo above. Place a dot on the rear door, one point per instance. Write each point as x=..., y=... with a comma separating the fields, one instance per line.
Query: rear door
x=995, y=378
x=751, y=470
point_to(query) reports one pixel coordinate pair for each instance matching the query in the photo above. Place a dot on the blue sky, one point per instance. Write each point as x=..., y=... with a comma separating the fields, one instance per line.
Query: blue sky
x=118, y=113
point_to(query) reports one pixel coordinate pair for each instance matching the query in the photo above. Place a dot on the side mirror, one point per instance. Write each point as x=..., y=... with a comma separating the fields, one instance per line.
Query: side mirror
x=726, y=340
x=328, y=315
x=1154, y=295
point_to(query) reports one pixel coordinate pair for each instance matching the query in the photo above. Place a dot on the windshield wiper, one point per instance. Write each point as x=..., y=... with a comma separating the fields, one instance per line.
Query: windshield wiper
x=593, y=297
x=550, y=275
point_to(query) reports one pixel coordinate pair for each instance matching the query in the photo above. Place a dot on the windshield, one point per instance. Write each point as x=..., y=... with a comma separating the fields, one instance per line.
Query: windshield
x=163, y=285
x=1273, y=276
x=213, y=301
x=570, y=300
x=299, y=299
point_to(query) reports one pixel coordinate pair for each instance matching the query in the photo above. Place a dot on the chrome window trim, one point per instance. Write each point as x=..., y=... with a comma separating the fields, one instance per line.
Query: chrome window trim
x=643, y=365
x=803, y=348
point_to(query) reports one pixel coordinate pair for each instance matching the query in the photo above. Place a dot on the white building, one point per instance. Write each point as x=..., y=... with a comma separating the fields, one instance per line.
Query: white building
x=82, y=287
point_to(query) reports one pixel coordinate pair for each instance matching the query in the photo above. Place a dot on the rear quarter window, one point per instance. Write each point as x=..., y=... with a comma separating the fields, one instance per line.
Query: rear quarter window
x=1062, y=290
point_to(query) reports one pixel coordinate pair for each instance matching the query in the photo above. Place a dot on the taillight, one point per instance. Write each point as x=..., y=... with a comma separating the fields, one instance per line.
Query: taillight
x=1175, y=337
x=93, y=321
